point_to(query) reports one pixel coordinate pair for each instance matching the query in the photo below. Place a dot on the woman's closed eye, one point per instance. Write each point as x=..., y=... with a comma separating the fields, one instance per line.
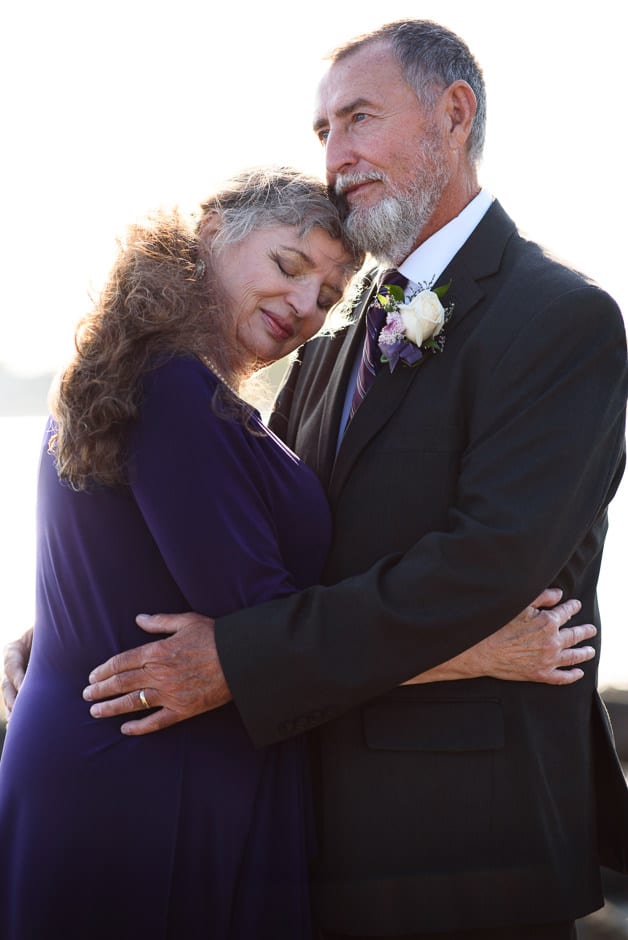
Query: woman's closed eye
x=288, y=266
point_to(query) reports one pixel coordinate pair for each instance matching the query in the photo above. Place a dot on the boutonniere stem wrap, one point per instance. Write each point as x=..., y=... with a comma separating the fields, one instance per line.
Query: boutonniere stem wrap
x=414, y=326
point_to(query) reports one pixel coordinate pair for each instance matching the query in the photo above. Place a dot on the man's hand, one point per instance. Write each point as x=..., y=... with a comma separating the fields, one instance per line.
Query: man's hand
x=179, y=676
x=16, y=657
x=534, y=647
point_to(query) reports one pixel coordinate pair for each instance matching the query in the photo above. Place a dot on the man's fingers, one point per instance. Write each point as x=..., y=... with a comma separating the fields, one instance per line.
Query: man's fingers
x=9, y=695
x=166, y=623
x=14, y=676
x=117, y=684
x=15, y=660
x=162, y=718
x=122, y=663
x=138, y=657
x=14, y=672
x=131, y=702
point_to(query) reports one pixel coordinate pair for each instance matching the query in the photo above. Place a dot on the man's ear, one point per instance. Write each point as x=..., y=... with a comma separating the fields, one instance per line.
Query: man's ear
x=460, y=106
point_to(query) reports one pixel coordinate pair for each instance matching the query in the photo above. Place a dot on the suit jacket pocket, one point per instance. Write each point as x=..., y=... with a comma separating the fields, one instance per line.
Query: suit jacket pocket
x=450, y=725
x=431, y=798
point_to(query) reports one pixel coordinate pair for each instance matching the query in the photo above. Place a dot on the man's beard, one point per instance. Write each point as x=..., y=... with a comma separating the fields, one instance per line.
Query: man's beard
x=390, y=229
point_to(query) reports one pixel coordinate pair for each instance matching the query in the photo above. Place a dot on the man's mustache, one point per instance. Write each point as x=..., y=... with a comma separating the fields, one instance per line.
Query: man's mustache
x=345, y=182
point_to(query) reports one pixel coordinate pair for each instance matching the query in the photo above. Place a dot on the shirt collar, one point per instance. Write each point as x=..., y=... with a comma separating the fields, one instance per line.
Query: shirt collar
x=429, y=260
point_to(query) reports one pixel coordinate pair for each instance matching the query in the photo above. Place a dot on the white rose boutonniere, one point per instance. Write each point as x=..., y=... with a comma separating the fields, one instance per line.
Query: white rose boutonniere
x=423, y=317
x=413, y=327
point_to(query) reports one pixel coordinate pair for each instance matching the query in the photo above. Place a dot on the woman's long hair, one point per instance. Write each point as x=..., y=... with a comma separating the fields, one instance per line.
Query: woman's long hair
x=160, y=300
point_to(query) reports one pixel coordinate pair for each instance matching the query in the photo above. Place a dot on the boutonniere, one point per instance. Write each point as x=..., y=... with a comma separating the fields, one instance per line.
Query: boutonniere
x=414, y=326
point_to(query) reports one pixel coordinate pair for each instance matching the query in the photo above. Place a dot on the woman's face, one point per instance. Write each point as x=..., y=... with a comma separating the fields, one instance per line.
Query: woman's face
x=279, y=286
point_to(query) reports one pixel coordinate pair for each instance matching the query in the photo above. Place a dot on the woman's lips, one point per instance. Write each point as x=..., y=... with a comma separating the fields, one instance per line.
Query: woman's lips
x=277, y=327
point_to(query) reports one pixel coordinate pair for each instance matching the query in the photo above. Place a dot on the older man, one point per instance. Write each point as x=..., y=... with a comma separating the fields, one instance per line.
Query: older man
x=464, y=480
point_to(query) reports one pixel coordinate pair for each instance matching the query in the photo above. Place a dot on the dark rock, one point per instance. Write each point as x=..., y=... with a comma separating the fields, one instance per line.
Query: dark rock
x=610, y=923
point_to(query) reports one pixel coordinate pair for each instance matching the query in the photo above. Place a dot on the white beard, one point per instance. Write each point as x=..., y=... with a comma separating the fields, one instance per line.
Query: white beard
x=390, y=229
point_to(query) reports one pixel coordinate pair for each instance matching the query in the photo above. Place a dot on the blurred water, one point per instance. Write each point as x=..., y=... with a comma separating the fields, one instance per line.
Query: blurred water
x=20, y=442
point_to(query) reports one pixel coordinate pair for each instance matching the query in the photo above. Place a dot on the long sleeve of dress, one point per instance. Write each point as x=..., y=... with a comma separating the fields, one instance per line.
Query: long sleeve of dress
x=206, y=487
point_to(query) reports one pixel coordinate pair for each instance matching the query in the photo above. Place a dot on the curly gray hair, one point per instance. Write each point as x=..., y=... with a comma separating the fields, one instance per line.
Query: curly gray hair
x=263, y=196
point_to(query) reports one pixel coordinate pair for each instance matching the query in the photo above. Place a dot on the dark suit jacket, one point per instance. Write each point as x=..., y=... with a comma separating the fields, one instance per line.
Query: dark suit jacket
x=462, y=488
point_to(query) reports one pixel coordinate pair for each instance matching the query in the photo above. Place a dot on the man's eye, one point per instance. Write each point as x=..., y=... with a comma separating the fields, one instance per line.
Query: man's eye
x=359, y=117
x=322, y=137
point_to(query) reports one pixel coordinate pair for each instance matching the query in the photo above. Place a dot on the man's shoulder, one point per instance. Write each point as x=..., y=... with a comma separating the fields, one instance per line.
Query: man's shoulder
x=538, y=271
x=533, y=267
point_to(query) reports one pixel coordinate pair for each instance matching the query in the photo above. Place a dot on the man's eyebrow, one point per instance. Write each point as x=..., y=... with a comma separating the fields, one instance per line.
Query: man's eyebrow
x=344, y=111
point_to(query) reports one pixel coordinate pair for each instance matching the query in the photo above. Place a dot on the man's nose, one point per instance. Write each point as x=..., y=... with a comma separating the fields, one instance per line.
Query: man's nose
x=339, y=155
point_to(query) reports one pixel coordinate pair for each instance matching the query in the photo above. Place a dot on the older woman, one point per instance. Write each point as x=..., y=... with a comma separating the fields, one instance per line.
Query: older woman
x=159, y=488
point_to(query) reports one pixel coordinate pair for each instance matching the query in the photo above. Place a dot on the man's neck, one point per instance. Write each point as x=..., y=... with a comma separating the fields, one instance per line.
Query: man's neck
x=451, y=204
x=428, y=261
x=461, y=189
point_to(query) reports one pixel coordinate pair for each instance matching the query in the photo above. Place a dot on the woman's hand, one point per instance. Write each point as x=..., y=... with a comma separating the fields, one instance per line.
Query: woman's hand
x=534, y=647
x=16, y=656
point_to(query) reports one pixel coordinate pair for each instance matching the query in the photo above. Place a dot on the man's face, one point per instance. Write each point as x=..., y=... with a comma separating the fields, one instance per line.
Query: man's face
x=384, y=153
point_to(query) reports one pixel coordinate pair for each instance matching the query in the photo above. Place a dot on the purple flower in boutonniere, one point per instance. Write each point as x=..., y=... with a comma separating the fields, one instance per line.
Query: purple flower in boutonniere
x=414, y=326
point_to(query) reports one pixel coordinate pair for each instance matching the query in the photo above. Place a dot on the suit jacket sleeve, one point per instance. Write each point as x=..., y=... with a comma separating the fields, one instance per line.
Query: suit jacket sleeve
x=544, y=455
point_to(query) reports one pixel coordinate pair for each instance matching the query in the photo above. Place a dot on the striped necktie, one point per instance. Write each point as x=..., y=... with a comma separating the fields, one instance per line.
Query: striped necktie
x=370, y=363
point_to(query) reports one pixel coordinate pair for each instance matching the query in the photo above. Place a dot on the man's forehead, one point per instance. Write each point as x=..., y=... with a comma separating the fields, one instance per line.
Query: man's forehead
x=344, y=92
x=355, y=78
x=321, y=103
x=339, y=90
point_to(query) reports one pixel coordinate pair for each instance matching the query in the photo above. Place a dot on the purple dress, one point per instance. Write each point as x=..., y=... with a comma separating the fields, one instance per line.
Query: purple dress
x=189, y=832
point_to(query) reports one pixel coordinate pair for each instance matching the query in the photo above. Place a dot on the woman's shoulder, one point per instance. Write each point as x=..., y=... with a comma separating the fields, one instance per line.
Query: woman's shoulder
x=178, y=369
x=180, y=390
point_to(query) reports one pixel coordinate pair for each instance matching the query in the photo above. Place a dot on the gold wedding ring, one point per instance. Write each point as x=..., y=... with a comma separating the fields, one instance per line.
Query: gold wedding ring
x=143, y=699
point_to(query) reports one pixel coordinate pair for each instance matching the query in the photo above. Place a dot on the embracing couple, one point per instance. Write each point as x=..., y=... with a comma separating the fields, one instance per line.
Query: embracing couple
x=461, y=779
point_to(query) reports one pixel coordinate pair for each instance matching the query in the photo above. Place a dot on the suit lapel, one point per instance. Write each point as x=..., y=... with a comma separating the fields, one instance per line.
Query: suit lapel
x=334, y=397
x=379, y=405
x=332, y=364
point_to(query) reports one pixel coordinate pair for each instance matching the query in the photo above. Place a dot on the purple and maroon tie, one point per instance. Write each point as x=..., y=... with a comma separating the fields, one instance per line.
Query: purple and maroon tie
x=370, y=363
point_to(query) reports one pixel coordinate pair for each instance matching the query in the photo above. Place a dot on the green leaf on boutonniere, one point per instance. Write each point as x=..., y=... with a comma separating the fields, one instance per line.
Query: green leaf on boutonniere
x=396, y=292
x=442, y=290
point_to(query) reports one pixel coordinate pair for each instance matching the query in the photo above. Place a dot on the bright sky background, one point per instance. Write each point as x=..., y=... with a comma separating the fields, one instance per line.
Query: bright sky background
x=112, y=109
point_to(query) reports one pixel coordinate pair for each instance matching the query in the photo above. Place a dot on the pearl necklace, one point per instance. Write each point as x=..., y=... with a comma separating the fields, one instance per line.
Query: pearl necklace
x=213, y=368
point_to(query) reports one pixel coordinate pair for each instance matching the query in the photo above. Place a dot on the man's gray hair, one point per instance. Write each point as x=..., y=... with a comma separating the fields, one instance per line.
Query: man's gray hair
x=432, y=58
